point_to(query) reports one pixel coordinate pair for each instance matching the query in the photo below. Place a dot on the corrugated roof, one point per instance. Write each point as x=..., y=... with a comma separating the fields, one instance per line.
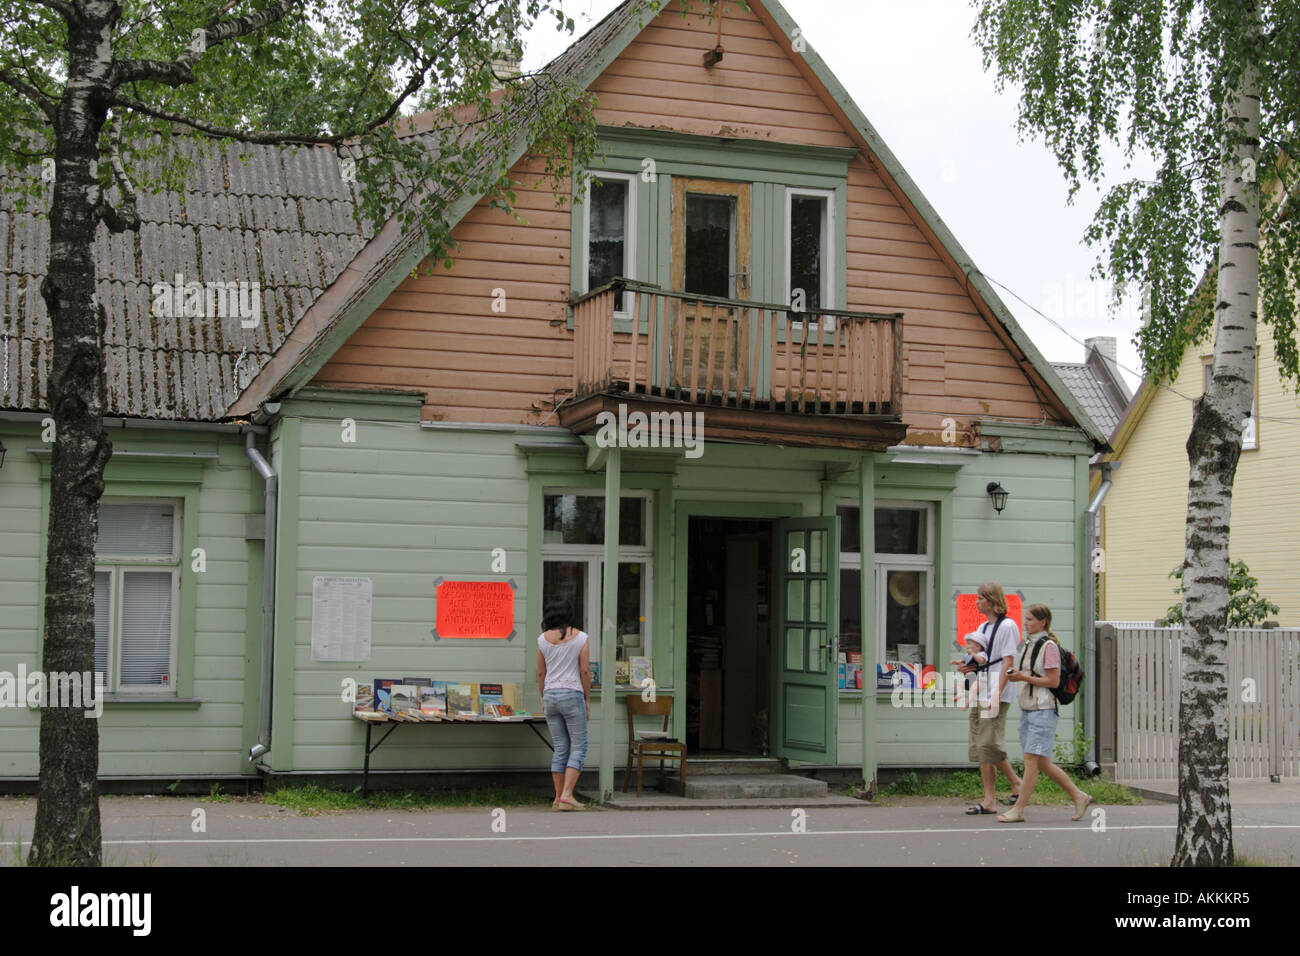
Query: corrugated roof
x=236, y=221
x=280, y=218
x=1091, y=392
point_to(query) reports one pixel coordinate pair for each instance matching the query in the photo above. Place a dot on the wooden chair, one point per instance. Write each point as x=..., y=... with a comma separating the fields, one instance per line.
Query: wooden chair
x=641, y=747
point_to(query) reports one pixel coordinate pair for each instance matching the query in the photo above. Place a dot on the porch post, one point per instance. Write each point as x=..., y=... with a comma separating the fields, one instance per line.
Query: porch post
x=867, y=537
x=608, y=623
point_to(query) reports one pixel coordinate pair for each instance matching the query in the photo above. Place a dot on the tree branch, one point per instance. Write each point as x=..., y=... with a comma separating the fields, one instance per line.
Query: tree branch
x=70, y=13
x=43, y=102
x=179, y=71
x=127, y=218
x=275, y=137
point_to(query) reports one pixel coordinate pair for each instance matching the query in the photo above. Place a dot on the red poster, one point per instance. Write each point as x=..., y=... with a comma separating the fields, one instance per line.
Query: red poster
x=475, y=609
x=969, y=618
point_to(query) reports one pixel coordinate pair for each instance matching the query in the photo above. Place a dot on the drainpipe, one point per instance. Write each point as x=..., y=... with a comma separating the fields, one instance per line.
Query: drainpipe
x=1091, y=767
x=263, y=468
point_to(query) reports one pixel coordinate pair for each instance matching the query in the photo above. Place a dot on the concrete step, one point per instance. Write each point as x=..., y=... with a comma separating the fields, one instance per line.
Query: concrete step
x=709, y=766
x=738, y=785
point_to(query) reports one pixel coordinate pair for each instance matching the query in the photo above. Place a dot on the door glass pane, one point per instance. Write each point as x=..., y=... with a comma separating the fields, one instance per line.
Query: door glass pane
x=710, y=244
x=103, y=608
x=816, y=651
x=900, y=531
x=794, y=601
x=794, y=648
x=816, y=601
x=565, y=581
x=607, y=244
x=807, y=249
x=817, y=551
x=146, y=628
x=903, y=593
x=794, y=543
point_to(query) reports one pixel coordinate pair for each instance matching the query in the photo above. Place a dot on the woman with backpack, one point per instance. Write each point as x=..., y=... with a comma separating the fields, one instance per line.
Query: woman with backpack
x=1037, y=672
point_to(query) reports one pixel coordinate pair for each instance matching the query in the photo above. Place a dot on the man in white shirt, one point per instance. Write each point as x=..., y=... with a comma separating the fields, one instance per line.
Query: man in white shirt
x=988, y=722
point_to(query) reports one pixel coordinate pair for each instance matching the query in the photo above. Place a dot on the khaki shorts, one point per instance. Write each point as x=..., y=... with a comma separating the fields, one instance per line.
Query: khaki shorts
x=988, y=735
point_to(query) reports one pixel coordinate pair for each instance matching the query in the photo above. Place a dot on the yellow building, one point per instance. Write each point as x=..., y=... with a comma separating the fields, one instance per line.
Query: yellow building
x=1143, y=521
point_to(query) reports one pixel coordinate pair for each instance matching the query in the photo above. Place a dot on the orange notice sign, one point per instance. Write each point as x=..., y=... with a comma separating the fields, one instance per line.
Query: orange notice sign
x=969, y=618
x=475, y=609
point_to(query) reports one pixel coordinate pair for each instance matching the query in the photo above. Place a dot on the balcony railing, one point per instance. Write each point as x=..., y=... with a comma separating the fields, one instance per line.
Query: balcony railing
x=734, y=353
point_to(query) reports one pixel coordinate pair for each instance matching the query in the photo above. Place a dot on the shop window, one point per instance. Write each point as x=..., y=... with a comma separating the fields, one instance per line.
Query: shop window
x=573, y=566
x=137, y=568
x=610, y=218
x=904, y=581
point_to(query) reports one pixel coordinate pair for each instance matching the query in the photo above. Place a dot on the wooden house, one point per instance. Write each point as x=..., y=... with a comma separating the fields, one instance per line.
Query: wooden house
x=750, y=262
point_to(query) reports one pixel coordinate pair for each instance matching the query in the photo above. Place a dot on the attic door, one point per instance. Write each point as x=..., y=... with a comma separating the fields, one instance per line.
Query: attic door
x=710, y=257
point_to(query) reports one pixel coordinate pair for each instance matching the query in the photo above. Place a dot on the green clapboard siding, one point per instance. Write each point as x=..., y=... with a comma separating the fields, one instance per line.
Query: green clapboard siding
x=448, y=497
x=143, y=740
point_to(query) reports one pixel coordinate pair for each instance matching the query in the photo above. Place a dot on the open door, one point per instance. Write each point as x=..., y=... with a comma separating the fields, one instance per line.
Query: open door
x=807, y=625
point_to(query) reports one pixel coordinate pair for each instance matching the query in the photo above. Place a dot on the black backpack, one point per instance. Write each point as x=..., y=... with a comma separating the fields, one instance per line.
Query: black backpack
x=1067, y=688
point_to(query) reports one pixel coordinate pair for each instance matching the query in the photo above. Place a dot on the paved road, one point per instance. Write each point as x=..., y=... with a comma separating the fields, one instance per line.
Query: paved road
x=161, y=831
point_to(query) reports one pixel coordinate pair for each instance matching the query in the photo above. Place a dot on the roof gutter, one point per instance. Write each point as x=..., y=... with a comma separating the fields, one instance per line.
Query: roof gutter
x=152, y=424
x=263, y=468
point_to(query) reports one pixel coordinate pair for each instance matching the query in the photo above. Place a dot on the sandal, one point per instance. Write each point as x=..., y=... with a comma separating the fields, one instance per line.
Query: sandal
x=1010, y=801
x=569, y=806
x=978, y=809
x=1079, y=808
x=1011, y=817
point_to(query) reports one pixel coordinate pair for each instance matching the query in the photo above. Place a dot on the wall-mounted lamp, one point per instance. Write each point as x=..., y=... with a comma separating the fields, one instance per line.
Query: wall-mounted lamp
x=998, y=494
x=2, y=454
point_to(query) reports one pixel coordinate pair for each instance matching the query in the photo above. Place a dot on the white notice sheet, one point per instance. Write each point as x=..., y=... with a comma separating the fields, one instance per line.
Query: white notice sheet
x=340, y=619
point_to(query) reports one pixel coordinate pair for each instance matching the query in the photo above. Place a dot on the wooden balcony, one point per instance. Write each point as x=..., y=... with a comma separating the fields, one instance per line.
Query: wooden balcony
x=762, y=371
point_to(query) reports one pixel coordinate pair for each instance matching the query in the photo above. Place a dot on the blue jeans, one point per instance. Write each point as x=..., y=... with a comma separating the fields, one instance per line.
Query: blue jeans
x=566, y=716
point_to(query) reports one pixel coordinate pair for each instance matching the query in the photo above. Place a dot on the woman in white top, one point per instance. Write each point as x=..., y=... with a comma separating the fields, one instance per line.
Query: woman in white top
x=564, y=681
x=1038, y=712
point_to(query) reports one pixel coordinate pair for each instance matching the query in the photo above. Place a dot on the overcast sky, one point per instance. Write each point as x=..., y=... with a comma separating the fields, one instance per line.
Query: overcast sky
x=914, y=70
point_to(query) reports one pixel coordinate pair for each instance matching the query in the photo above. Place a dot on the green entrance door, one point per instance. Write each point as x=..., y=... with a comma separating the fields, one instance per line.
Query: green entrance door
x=807, y=624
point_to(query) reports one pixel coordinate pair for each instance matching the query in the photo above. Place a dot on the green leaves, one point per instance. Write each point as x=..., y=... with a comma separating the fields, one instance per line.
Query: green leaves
x=1246, y=608
x=1150, y=77
x=405, y=92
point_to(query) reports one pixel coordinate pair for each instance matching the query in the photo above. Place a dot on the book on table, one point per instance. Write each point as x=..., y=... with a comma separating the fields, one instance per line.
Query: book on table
x=404, y=697
x=384, y=693
x=460, y=697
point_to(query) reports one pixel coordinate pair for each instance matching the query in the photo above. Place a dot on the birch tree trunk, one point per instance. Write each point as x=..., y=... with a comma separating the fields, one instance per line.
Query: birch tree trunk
x=1204, y=813
x=67, y=811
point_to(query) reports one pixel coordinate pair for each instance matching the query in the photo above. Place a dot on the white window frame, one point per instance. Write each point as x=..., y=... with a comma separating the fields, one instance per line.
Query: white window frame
x=118, y=566
x=629, y=218
x=593, y=555
x=828, y=248
x=884, y=563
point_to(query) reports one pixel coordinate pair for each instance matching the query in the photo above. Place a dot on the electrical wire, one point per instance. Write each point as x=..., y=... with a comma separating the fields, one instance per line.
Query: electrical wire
x=1066, y=332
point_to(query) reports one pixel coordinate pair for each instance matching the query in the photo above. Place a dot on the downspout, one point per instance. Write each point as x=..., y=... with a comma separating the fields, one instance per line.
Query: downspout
x=1091, y=767
x=263, y=468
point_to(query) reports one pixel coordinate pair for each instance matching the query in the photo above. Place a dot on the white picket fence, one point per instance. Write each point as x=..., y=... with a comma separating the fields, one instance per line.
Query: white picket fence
x=1263, y=702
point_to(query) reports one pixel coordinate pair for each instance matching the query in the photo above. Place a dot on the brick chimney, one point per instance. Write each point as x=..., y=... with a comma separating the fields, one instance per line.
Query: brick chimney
x=1105, y=347
x=1105, y=344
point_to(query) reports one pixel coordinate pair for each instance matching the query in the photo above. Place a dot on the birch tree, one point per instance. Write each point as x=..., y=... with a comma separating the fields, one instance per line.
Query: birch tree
x=1211, y=90
x=92, y=90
